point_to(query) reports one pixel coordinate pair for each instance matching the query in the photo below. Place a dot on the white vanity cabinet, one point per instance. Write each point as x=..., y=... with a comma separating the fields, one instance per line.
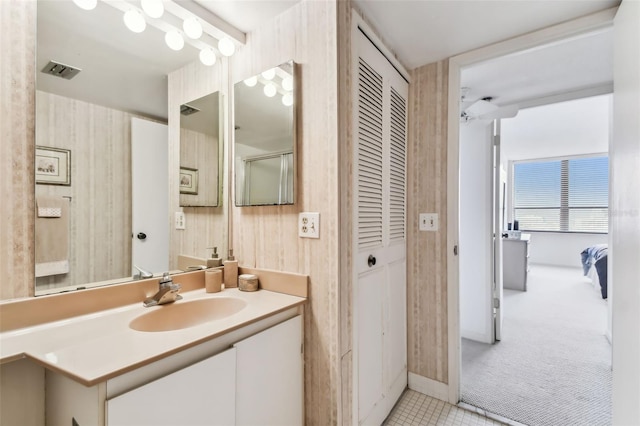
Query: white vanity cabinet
x=251, y=375
x=269, y=382
x=201, y=394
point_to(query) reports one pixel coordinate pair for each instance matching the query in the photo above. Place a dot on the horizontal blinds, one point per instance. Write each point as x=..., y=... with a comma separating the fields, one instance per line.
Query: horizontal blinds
x=562, y=195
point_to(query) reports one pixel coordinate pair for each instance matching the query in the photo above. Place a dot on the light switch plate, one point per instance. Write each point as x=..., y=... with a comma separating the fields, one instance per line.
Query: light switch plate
x=180, y=221
x=429, y=221
x=309, y=225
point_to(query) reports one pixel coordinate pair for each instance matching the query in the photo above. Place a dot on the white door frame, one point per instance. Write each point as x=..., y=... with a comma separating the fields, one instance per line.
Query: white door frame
x=551, y=34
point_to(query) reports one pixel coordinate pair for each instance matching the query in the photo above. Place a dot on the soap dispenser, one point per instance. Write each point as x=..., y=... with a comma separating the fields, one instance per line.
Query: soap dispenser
x=215, y=260
x=230, y=271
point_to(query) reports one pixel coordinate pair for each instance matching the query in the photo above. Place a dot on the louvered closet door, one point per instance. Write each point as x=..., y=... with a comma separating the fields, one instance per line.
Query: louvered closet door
x=379, y=233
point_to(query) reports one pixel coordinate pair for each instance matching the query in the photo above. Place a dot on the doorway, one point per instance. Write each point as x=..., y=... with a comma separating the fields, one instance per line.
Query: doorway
x=502, y=373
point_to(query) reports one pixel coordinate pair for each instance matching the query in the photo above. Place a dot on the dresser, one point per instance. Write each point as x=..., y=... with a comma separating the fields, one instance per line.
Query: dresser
x=515, y=262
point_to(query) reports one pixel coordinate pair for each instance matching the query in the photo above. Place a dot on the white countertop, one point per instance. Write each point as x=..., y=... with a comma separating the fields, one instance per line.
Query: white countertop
x=95, y=347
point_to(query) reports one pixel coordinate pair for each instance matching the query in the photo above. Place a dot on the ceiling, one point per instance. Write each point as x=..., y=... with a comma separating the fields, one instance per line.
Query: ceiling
x=128, y=71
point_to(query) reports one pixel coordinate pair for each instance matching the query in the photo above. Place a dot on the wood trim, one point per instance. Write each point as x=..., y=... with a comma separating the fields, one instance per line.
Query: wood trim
x=429, y=387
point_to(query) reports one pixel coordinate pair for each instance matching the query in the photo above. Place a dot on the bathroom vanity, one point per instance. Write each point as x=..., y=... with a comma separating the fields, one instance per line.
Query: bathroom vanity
x=238, y=361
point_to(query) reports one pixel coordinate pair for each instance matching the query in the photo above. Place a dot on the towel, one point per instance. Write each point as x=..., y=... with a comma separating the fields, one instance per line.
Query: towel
x=52, y=236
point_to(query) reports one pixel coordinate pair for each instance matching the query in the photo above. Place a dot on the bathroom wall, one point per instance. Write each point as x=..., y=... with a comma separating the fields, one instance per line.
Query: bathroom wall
x=205, y=226
x=197, y=152
x=267, y=237
x=426, y=251
x=17, y=103
x=100, y=208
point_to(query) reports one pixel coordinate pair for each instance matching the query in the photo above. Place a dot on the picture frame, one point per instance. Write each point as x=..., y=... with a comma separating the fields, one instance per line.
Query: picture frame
x=188, y=181
x=53, y=166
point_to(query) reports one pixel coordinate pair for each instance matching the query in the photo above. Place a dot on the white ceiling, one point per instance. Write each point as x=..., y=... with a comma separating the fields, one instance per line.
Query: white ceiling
x=128, y=71
x=425, y=31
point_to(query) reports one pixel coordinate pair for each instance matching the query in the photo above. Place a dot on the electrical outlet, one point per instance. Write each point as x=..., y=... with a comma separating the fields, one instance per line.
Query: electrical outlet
x=180, y=221
x=429, y=221
x=309, y=225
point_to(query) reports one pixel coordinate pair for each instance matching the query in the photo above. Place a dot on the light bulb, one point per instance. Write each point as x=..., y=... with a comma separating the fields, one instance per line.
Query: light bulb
x=269, y=74
x=153, y=8
x=287, y=84
x=226, y=46
x=251, y=81
x=174, y=40
x=192, y=28
x=86, y=4
x=134, y=20
x=270, y=90
x=287, y=99
x=208, y=56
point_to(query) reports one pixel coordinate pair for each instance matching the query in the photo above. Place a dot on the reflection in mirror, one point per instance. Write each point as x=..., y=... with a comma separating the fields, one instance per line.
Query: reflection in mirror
x=200, y=152
x=265, y=137
x=87, y=121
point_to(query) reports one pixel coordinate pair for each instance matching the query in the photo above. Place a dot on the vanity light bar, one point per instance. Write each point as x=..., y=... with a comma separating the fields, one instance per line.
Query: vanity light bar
x=175, y=15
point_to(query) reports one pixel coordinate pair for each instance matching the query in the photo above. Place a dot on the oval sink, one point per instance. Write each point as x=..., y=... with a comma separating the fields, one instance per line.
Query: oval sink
x=179, y=315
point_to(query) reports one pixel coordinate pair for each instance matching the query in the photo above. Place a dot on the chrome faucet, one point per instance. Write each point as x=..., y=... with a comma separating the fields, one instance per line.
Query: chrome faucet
x=167, y=293
x=142, y=274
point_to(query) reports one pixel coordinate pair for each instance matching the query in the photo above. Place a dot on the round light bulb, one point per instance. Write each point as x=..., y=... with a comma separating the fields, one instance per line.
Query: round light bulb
x=251, y=81
x=174, y=40
x=270, y=90
x=134, y=20
x=287, y=99
x=226, y=46
x=269, y=74
x=192, y=28
x=208, y=56
x=86, y=4
x=153, y=8
x=287, y=84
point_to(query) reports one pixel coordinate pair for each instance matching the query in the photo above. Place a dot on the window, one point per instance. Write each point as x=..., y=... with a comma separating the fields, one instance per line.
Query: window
x=565, y=195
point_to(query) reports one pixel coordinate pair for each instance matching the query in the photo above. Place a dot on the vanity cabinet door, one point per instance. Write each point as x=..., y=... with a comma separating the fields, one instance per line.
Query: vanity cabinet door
x=269, y=385
x=201, y=394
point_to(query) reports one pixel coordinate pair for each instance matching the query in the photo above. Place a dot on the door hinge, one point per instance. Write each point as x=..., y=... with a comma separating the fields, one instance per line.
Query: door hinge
x=455, y=250
x=496, y=303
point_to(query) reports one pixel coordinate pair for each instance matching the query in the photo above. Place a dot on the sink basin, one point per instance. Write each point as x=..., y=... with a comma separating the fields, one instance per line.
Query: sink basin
x=181, y=314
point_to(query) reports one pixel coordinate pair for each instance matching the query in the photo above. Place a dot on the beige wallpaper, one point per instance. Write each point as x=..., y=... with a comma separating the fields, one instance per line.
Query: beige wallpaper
x=426, y=251
x=266, y=237
x=17, y=104
x=200, y=151
x=99, y=139
x=205, y=226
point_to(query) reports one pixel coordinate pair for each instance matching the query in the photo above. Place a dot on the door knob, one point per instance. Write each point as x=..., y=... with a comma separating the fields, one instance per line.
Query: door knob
x=142, y=236
x=371, y=260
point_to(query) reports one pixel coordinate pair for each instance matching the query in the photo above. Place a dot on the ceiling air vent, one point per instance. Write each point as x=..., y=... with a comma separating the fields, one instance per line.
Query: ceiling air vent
x=188, y=109
x=60, y=70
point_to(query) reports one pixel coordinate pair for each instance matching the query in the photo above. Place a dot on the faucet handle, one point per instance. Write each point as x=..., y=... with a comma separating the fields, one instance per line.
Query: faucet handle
x=165, y=278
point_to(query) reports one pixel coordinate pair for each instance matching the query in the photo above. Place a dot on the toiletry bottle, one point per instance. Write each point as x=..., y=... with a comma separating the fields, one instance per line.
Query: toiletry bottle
x=230, y=271
x=215, y=260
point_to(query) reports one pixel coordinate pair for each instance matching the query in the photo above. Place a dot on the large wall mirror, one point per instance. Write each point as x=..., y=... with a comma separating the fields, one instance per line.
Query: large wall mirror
x=84, y=157
x=265, y=134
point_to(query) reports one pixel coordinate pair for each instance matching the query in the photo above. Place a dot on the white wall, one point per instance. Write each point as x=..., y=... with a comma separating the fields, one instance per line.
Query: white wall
x=624, y=213
x=561, y=249
x=476, y=177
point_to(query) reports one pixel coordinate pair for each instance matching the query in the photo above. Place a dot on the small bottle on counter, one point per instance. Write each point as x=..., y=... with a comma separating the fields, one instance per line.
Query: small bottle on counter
x=215, y=260
x=230, y=271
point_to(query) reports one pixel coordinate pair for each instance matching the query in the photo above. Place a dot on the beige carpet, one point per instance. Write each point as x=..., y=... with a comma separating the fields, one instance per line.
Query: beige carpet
x=553, y=365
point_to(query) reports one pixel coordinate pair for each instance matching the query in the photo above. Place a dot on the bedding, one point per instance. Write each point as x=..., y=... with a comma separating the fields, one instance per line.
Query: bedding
x=596, y=256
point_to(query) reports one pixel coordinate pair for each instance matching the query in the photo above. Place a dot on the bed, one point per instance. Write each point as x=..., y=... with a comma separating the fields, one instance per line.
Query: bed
x=595, y=257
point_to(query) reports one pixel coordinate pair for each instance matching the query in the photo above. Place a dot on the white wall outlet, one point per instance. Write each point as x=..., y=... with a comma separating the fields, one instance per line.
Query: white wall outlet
x=429, y=221
x=180, y=221
x=309, y=225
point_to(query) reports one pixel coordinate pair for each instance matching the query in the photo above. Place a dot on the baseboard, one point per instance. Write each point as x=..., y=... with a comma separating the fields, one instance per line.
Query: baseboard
x=429, y=387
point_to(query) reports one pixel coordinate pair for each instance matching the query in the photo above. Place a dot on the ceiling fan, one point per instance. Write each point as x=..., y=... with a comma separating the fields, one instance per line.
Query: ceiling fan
x=483, y=110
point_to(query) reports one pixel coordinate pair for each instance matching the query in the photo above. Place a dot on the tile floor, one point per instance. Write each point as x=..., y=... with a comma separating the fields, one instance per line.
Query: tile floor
x=417, y=409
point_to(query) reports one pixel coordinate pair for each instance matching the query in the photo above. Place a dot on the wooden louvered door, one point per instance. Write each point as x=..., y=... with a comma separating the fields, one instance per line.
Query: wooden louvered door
x=379, y=234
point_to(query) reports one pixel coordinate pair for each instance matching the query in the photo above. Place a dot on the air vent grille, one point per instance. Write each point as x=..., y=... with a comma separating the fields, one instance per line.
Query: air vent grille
x=188, y=109
x=57, y=69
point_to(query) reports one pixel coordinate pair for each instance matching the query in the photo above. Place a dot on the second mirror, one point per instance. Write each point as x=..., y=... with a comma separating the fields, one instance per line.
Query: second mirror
x=264, y=160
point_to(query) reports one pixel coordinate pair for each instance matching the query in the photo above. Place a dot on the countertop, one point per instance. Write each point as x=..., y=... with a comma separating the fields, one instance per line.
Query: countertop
x=95, y=347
